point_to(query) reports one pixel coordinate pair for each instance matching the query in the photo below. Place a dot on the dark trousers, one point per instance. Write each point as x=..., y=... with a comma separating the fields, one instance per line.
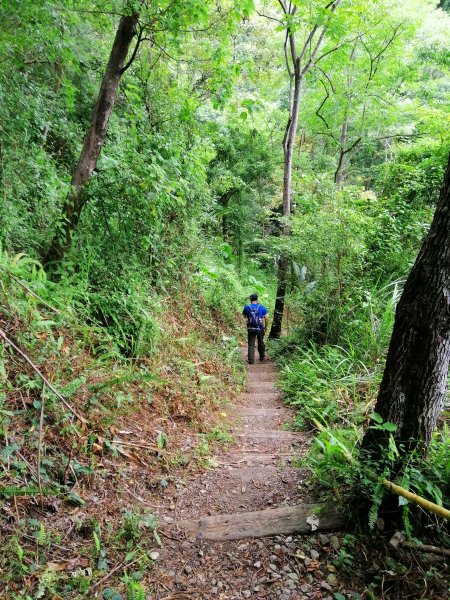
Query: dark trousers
x=252, y=337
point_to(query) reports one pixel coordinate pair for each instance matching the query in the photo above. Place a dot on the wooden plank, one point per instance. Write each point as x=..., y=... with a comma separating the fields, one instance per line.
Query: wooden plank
x=300, y=519
x=262, y=387
x=269, y=434
x=256, y=397
x=263, y=412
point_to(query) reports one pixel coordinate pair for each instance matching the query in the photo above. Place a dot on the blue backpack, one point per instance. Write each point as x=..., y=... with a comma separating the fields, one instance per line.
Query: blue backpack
x=253, y=319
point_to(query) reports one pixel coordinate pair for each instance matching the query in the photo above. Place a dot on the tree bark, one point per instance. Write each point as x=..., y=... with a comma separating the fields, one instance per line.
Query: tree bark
x=414, y=383
x=275, y=330
x=94, y=140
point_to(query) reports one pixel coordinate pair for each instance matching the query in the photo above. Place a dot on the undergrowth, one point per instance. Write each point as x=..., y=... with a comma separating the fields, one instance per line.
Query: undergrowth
x=333, y=389
x=148, y=371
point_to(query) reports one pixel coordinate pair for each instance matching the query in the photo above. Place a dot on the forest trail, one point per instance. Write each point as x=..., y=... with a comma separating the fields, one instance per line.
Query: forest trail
x=255, y=473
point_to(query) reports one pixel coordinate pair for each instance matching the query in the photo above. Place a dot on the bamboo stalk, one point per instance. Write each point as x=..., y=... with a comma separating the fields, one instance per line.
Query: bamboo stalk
x=389, y=485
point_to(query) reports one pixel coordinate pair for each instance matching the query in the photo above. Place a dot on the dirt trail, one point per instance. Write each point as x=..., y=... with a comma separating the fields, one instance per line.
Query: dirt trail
x=254, y=474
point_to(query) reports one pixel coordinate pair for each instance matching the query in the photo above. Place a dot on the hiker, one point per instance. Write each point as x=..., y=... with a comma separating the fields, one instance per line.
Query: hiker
x=257, y=323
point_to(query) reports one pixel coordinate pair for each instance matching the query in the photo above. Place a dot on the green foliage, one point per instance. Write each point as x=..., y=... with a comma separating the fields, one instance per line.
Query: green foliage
x=181, y=222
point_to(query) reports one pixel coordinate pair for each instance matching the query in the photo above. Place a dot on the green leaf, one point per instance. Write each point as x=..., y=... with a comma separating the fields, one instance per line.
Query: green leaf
x=389, y=426
x=376, y=417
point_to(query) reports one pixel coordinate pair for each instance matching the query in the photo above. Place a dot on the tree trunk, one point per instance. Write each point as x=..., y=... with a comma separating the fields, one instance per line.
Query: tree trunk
x=275, y=330
x=414, y=383
x=339, y=173
x=289, y=142
x=95, y=138
x=296, y=75
x=288, y=149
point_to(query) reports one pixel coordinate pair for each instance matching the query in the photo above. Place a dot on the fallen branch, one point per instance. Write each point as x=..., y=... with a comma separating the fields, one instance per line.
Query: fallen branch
x=426, y=548
x=119, y=566
x=142, y=445
x=41, y=435
x=42, y=376
x=26, y=288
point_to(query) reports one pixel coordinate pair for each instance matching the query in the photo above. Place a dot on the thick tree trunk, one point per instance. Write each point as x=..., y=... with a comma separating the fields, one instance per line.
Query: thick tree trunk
x=414, y=383
x=95, y=138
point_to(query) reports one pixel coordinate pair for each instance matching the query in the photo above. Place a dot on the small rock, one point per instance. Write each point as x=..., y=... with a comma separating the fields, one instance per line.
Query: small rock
x=246, y=593
x=256, y=588
x=287, y=568
x=257, y=564
x=293, y=576
x=324, y=539
x=154, y=555
x=305, y=587
x=188, y=569
x=332, y=579
x=214, y=582
x=214, y=590
x=272, y=567
x=186, y=545
x=307, y=561
x=273, y=558
x=325, y=586
x=200, y=552
x=292, y=585
x=285, y=595
x=334, y=542
x=288, y=539
x=314, y=554
x=277, y=547
x=309, y=578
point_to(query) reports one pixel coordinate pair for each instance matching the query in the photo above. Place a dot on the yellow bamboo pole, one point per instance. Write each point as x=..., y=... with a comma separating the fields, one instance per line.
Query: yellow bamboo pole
x=389, y=485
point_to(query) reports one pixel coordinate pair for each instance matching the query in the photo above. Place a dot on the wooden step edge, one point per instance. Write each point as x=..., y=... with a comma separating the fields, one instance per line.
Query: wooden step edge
x=286, y=520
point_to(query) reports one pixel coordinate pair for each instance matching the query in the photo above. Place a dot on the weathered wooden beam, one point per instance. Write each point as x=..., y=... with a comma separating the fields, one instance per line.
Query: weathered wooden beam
x=304, y=519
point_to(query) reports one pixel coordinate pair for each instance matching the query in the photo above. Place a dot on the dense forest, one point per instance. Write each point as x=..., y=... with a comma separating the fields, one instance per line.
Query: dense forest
x=160, y=161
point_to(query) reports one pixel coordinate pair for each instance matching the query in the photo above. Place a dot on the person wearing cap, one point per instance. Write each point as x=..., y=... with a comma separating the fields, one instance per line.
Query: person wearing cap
x=257, y=323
